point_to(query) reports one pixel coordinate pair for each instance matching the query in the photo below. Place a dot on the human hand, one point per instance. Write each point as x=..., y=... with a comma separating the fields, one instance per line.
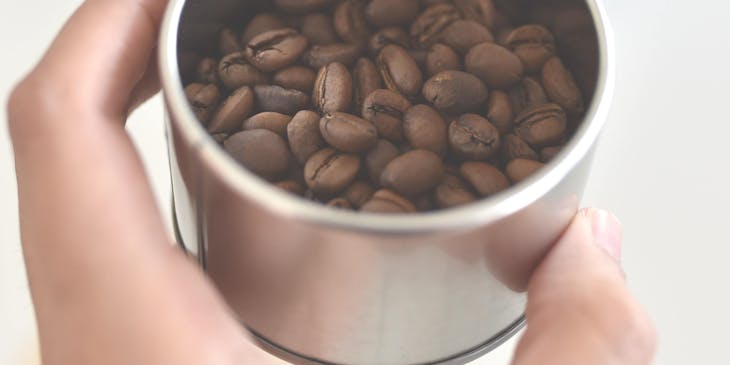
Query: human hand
x=108, y=286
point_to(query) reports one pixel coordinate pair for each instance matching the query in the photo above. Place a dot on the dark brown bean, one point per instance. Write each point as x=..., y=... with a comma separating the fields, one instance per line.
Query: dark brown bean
x=473, y=137
x=276, y=49
x=499, y=111
x=333, y=89
x=261, y=151
x=203, y=100
x=561, y=87
x=292, y=187
x=482, y=11
x=340, y=203
x=514, y=147
x=358, y=194
x=304, y=136
x=320, y=55
x=388, y=202
x=455, y=92
x=383, y=13
x=296, y=77
x=549, y=153
x=424, y=202
x=533, y=44
x=400, y=71
x=385, y=109
x=272, y=98
x=233, y=111
x=272, y=121
x=348, y=133
x=486, y=179
x=219, y=138
x=413, y=173
x=366, y=79
x=520, y=169
x=441, y=57
x=378, y=157
x=541, y=125
x=350, y=23
x=386, y=36
x=494, y=64
x=260, y=24
x=453, y=192
x=301, y=6
x=235, y=71
x=207, y=71
x=329, y=172
x=228, y=42
x=526, y=94
x=429, y=25
x=425, y=129
x=318, y=28
x=462, y=35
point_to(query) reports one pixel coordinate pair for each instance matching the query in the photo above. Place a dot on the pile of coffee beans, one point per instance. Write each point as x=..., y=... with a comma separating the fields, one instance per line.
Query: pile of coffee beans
x=388, y=106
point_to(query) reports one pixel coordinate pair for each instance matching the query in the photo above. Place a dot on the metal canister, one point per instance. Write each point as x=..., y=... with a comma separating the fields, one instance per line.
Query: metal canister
x=318, y=285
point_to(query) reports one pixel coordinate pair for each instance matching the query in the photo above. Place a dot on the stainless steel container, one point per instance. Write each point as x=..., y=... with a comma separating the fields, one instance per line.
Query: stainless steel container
x=319, y=285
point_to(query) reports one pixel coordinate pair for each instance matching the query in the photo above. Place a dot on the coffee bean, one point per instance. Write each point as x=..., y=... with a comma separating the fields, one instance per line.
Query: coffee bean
x=304, y=136
x=473, y=137
x=260, y=24
x=455, y=92
x=400, y=71
x=386, y=36
x=358, y=194
x=514, y=147
x=548, y=153
x=207, y=71
x=420, y=56
x=429, y=25
x=425, y=129
x=499, y=111
x=383, y=13
x=561, y=87
x=541, y=125
x=219, y=138
x=486, y=179
x=350, y=23
x=339, y=203
x=388, y=202
x=272, y=98
x=272, y=121
x=378, y=157
x=261, y=151
x=413, y=173
x=235, y=71
x=292, y=187
x=297, y=78
x=533, y=44
x=366, y=79
x=301, y=6
x=526, y=94
x=276, y=49
x=203, y=99
x=385, y=109
x=462, y=35
x=495, y=65
x=233, y=111
x=329, y=172
x=318, y=28
x=453, y=192
x=482, y=11
x=333, y=89
x=441, y=57
x=520, y=169
x=347, y=132
x=320, y=55
x=424, y=203
x=228, y=42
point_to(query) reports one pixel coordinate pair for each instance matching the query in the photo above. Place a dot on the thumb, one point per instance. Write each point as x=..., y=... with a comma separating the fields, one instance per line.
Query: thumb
x=579, y=310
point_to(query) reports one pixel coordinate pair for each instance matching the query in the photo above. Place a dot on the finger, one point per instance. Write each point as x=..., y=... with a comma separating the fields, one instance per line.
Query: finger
x=579, y=309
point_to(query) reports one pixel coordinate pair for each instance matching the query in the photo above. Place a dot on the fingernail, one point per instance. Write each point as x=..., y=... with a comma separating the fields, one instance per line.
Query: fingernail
x=606, y=230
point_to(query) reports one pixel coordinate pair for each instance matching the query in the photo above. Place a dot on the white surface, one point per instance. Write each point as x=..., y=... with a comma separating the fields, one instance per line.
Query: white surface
x=661, y=167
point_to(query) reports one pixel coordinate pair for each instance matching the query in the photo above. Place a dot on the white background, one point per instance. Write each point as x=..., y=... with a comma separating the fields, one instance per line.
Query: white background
x=662, y=167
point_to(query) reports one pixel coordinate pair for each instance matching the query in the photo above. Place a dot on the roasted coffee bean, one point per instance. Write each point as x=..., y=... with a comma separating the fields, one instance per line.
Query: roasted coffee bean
x=486, y=179
x=453, y=192
x=366, y=79
x=400, y=71
x=340, y=203
x=388, y=202
x=297, y=78
x=425, y=129
x=386, y=36
x=207, y=71
x=482, y=11
x=350, y=23
x=276, y=49
x=333, y=89
x=548, y=153
x=541, y=125
x=561, y=87
x=520, y=169
x=329, y=172
x=318, y=28
x=228, y=42
x=385, y=109
x=292, y=187
x=358, y=194
x=272, y=121
x=233, y=111
x=420, y=56
x=219, y=138
x=413, y=173
x=383, y=13
x=526, y=94
x=348, y=133
x=462, y=35
x=301, y=6
x=499, y=111
x=441, y=57
x=514, y=147
x=495, y=65
x=203, y=99
x=455, y=92
x=473, y=137
x=303, y=134
x=272, y=98
x=378, y=157
x=260, y=24
x=320, y=55
x=533, y=44
x=235, y=71
x=424, y=203
x=429, y=25
x=261, y=151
